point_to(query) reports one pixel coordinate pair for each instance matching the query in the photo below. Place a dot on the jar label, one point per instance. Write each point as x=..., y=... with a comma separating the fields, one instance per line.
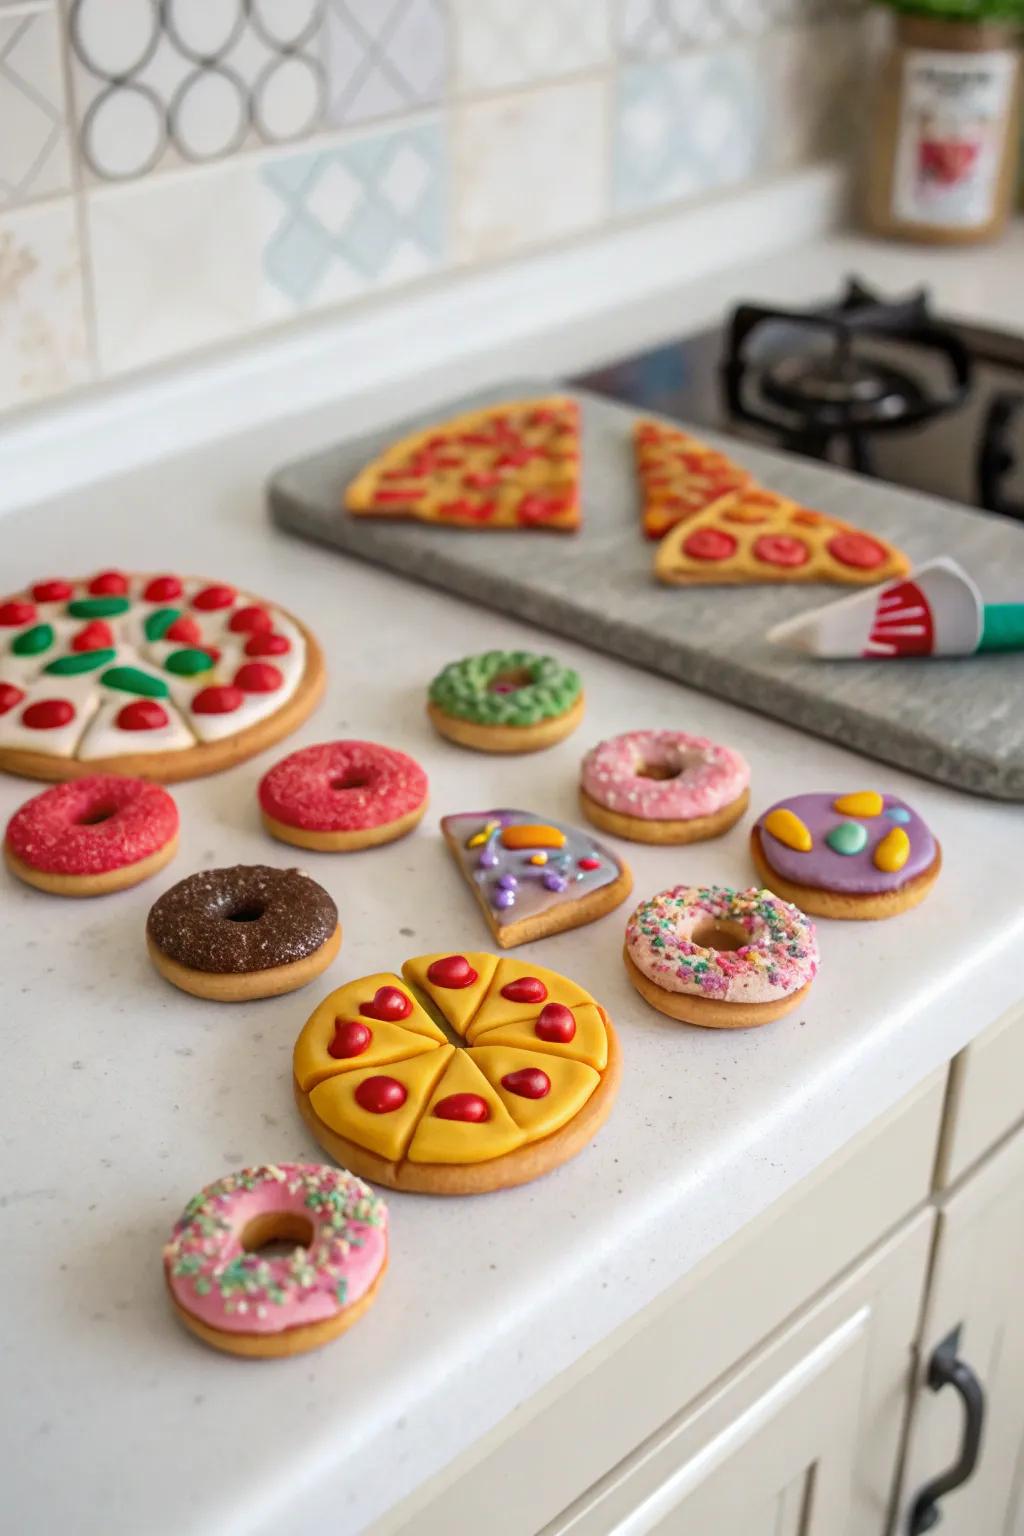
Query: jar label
x=954, y=112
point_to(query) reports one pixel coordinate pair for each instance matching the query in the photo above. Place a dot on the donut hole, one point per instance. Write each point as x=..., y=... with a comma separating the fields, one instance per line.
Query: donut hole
x=352, y=778
x=95, y=815
x=658, y=771
x=248, y=912
x=510, y=681
x=719, y=933
x=276, y=1234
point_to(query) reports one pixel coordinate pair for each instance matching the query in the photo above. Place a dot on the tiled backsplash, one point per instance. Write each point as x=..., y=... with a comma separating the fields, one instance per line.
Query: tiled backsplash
x=176, y=173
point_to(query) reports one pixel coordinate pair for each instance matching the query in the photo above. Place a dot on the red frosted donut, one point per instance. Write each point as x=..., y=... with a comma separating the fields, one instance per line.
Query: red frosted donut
x=343, y=795
x=92, y=835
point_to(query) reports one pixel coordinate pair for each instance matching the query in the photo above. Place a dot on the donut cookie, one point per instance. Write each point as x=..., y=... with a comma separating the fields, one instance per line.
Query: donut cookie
x=163, y=677
x=343, y=795
x=506, y=701
x=859, y=855
x=531, y=877
x=92, y=836
x=384, y=1091
x=233, y=935
x=663, y=787
x=236, y=1298
x=721, y=958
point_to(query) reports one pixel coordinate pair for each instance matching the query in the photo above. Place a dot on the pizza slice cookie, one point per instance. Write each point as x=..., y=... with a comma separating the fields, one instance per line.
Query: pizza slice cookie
x=757, y=536
x=513, y=465
x=526, y=1079
x=680, y=476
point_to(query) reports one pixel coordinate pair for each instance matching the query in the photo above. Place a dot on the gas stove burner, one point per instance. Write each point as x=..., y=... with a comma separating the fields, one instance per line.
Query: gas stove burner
x=841, y=388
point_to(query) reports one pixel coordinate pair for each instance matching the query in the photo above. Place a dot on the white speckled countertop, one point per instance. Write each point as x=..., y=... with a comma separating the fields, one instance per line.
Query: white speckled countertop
x=122, y=1097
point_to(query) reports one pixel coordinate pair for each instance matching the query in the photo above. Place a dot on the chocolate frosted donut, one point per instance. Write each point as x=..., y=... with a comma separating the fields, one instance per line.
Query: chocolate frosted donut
x=245, y=932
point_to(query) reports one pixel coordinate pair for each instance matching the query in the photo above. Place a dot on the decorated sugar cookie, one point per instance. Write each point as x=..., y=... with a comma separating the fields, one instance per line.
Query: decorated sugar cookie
x=533, y=877
x=680, y=476
x=92, y=836
x=857, y=855
x=720, y=958
x=341, y=796
x=520, y=1079
x=506, y=701
x=234, y=1297
x=164, y=677
x=663, y=787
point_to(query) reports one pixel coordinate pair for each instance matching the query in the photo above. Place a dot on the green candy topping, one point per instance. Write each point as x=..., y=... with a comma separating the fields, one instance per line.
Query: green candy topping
x=131, y=680
x=848, y=837
x=515, y=688
x=188, y=662
x=39, y=638
x=98, y=607
x=82, y=661
x=159, y=622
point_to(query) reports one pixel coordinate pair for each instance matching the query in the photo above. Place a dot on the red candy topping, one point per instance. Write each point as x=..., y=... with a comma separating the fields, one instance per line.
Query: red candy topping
x=525, y=989
x=452, y=971
x=267, y=645
x=16, y=612
x=184, y=630
x=218, y=700
x=218, y=596
x=9, y=696
x=380, y=1095
x=535, y=508
x=162, y=589
x=387, y=1003
x=258, y=677
x=250, y=620
x=48, y=714
x=96, y=636
x=142, y=715
x=556, y=1023
x=350, y=1039
x=528, y=1083
x=52, y=591
x=463, y=1106
x=92, y=825
x=709, y=544
x=589, y=861
x=781, y=549
x=859, y=550
x=109, y=584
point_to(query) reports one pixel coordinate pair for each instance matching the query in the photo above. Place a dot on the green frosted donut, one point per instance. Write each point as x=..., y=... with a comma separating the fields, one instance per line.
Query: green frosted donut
x=506, y=688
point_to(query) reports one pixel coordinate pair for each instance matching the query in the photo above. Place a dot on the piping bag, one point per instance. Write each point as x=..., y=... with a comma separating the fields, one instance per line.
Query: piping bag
x=935, y=611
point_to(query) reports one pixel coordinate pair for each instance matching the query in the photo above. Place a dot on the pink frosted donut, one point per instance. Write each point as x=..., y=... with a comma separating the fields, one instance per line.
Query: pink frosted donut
x=92, y=835
x=242, y=1302
x=664, y=786
x=343, y=795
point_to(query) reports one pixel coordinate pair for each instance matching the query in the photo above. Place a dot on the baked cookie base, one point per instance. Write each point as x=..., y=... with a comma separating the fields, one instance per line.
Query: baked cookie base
x=344, y=842
x=519, y=1167
x=506, y=738
x=191, y=762
x=868, y=907
x=639, y=829
x=290, y=1341
x=91, y=885
x=709, y=1012
x=246, y=986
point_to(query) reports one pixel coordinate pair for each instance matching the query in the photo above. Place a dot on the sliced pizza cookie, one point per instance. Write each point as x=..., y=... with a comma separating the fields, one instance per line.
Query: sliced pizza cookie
x=540, y=1092
x=457, y=984
x=680, y=476
x=363, y=1024
x=379, y=1108
x=520, y=990
x=465, y=1121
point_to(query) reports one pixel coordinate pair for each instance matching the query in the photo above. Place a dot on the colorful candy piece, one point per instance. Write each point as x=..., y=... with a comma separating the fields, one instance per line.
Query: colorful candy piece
x=863, y=802
x=893, y=851
x=789, y=829
x=532, y=835
x=848, y=838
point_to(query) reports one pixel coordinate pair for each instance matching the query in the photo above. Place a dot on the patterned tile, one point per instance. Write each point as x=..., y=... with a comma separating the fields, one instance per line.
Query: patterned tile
x=814, y=79
x=686, y=126
x=34, y=158
x=383, y=57
x=653, y=28
x=503, y=43
x=529, y=168
x=42, y=328
x=175, y=263
x=340, y=222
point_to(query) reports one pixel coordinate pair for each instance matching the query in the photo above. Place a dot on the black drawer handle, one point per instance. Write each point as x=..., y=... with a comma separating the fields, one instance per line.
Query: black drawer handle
x=946, y=1369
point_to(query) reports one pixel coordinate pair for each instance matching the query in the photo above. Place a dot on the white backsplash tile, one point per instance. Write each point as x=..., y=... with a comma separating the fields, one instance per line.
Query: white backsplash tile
x=384, y=57
x=529, y=168
x=505, y=43
x=42, y=327
x=34, y=158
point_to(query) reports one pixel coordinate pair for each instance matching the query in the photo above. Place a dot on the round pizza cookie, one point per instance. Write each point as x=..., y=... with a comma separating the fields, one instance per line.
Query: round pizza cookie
x=858, y=855
x=506, y=701
x=159, y=676
x=517, y=1078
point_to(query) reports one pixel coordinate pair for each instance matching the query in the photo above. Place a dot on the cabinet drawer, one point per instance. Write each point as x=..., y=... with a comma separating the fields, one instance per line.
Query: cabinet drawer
x=986, y=1096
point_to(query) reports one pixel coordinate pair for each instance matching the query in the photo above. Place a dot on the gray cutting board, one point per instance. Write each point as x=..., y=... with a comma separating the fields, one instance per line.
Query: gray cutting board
x=961, y=722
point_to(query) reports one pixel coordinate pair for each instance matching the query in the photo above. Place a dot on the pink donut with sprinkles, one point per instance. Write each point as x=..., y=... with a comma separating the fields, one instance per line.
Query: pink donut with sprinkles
x=92, y=835
x=343, y=795
x=664, y=787
x=248, y=1302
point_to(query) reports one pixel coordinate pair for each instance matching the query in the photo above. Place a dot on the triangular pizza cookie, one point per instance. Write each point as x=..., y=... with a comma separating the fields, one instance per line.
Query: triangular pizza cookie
x=513, y=465
x=757, y=536
x=680, y=476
